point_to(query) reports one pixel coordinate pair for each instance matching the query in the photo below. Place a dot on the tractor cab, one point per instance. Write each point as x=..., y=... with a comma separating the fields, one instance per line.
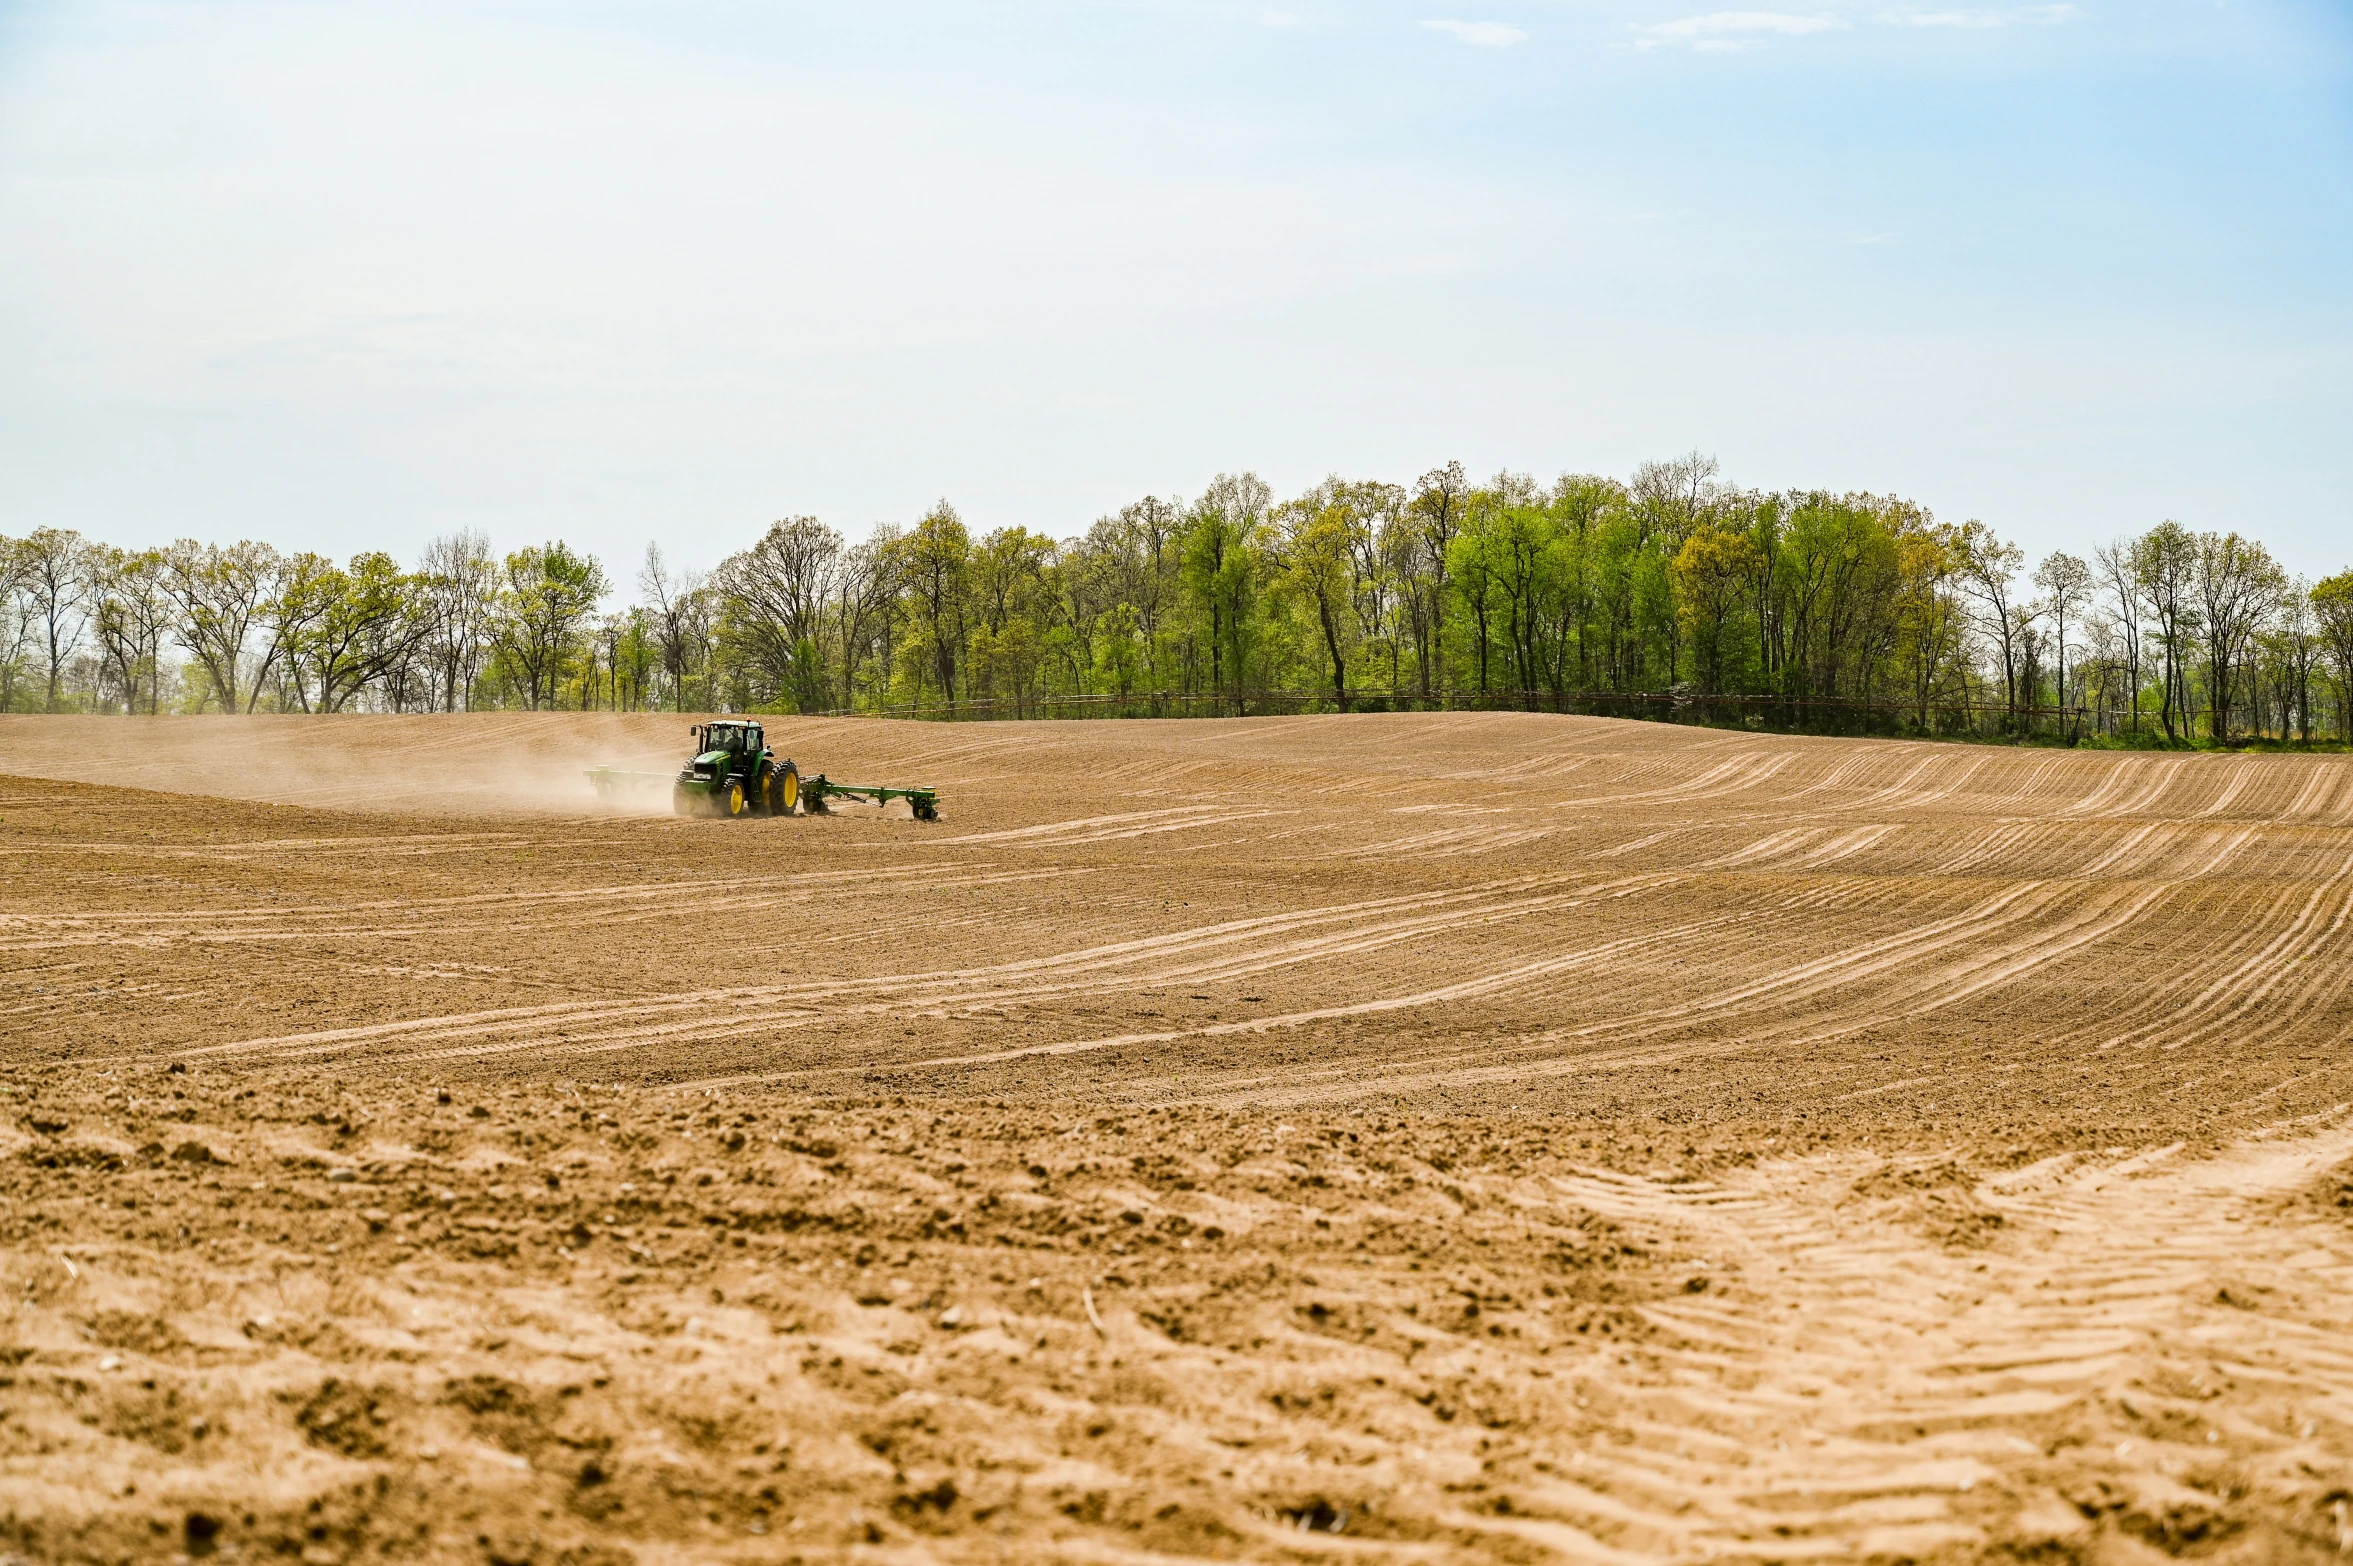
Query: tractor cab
x=731, y=740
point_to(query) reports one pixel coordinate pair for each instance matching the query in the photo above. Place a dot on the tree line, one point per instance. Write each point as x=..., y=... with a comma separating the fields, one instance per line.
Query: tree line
x=1667, y=591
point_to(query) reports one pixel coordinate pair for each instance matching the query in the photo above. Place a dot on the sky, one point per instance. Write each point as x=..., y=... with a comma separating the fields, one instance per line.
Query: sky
x=348, y=276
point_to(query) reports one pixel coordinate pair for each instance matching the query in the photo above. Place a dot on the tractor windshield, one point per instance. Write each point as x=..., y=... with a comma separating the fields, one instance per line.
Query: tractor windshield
x=723, y=736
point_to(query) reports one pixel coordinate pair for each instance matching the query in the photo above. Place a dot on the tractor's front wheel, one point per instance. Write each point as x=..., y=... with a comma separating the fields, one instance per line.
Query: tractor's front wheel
x=784, y=789
x=683, y=800
x=730, y=799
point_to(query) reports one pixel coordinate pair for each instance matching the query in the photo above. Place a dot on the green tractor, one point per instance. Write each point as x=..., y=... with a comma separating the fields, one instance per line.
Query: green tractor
x=734, y=773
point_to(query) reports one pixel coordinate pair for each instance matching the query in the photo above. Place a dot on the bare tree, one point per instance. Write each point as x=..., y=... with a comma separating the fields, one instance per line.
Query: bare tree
x=16, y=620
x=1989, y=567
x=1676, y=496
x=866, y=593
x=677, y=602
x=56, y=570
x=460, y=595
x=775, y=595
x=2117, y=579
x=2067, y=584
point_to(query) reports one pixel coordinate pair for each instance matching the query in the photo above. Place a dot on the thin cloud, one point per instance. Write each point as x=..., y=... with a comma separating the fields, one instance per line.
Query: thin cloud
x=1983, y=20
x=1723, y=31
x=1277, y=19
x=1487, y=35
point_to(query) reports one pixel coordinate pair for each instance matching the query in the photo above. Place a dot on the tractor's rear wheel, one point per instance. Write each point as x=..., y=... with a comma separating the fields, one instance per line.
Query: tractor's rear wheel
x=784, y=789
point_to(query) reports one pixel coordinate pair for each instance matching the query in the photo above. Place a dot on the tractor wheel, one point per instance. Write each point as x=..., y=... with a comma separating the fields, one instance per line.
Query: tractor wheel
x=683, y=801
x=784, y=789
x=730, y=799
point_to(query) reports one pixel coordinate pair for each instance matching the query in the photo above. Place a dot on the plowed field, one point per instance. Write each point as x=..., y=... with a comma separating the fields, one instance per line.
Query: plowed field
x=1413, y=1138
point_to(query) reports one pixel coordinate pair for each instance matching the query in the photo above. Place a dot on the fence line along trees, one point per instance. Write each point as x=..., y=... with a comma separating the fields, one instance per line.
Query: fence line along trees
x=1673, y=591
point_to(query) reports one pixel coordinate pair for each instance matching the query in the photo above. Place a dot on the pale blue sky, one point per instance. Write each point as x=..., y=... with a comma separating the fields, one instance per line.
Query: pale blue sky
x=345, y=275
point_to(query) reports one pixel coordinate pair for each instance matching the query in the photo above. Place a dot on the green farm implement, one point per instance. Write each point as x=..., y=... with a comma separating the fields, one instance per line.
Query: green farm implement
x=817, y=790
x=734, y=773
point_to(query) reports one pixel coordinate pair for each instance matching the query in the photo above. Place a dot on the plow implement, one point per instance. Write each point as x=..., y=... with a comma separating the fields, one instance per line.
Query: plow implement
x=734, y=773
x=817, y=790
x=613, y=783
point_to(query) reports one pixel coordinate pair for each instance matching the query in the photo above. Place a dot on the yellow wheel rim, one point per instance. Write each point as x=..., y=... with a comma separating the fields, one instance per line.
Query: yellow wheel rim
x=791, y=789
x=735, y=799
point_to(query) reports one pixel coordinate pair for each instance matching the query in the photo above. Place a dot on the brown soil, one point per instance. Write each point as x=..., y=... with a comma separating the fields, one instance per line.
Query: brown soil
x=1398, y=1138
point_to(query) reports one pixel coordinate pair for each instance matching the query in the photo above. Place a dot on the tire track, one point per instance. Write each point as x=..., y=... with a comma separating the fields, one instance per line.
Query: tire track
x=1873, y=1393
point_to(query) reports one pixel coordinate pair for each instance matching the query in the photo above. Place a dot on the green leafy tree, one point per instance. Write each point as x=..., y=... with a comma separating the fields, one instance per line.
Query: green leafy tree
x=935, y=562
x=343, y=629
x=1427, y=528
x=221, y=594
x=1220, y=574
x=2164, y=564
x=550, y=592
x=2238, y=586
x=1929, y=641
x=2332, y=610
x=132, y=615
x=1713, y=571
x=1314, y=569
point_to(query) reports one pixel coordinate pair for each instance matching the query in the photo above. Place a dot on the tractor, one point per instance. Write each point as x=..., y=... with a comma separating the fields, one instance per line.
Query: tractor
x=734, y=773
